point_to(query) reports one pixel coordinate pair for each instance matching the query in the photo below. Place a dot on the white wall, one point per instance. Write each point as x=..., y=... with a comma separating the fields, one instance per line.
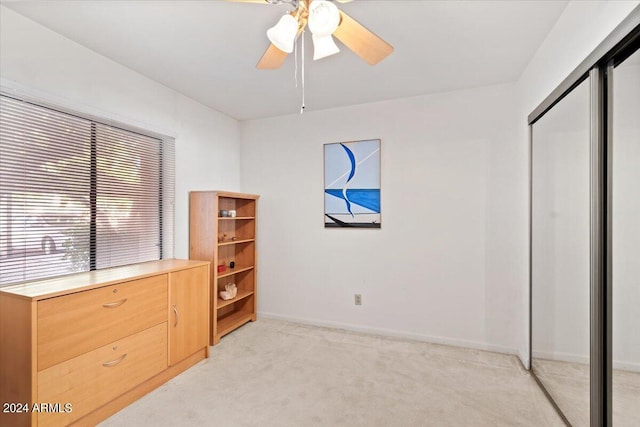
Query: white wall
x=442, y=266
x=581, y=27
x=53, y=67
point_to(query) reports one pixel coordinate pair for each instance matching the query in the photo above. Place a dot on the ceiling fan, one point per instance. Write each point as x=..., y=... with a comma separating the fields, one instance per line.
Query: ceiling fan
x=324, y=20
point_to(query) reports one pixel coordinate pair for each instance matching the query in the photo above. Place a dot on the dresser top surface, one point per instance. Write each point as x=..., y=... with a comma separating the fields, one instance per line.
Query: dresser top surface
x=48, y=288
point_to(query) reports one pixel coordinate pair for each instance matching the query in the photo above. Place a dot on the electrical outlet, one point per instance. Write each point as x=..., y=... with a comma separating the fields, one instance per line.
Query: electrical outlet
x=357, y=299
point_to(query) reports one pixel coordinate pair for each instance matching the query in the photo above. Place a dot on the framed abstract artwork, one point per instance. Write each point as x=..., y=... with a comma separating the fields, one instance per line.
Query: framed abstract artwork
x=352, y=184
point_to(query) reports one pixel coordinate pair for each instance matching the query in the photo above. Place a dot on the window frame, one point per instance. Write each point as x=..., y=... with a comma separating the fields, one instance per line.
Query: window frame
x=165, y=177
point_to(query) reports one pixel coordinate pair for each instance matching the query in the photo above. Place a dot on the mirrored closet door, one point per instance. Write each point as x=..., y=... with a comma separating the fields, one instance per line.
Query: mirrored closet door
x=625, y=243
x=560, y=221
x=585, y=237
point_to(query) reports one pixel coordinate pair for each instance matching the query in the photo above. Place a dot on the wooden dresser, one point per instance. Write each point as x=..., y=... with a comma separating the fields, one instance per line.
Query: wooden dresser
x=78, y=348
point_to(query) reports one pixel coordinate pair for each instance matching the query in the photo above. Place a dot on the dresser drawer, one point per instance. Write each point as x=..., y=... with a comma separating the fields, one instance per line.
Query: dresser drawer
x=74, y=324
x=93, y=379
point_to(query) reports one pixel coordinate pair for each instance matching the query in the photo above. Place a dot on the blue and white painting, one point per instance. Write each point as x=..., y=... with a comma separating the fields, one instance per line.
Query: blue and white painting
x=352, y=184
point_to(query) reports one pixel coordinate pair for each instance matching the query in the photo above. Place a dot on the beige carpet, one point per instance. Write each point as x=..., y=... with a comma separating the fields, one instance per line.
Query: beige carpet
x=275, y=373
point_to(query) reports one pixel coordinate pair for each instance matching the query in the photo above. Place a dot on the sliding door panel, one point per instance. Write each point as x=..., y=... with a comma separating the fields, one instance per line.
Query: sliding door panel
x=625, y=243
x=560, y=257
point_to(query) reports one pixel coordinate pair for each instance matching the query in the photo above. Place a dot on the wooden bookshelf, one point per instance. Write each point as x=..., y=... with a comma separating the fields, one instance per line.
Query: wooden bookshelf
x=222, y=240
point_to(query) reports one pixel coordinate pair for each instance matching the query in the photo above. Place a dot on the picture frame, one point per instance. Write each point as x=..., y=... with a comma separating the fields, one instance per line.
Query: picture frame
x=352, y=184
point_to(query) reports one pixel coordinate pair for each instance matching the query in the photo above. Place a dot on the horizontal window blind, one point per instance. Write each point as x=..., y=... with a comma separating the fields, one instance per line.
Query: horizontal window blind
x=128, y=197
x=77, y=194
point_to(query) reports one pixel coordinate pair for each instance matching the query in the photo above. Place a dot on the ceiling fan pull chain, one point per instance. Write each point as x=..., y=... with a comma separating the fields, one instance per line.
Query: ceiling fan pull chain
x=302, y=55
x=295, y=63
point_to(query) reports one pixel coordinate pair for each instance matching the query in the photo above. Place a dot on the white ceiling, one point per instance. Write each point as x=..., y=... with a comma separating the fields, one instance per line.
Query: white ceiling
x=207, y=50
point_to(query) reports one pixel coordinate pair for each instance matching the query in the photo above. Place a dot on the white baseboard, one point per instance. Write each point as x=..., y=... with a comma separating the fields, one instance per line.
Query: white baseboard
x=392, y=333
x=561, y=357
x=626, y=366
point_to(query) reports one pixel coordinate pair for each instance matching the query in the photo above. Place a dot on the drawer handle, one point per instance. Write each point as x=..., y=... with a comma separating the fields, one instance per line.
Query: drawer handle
x=175, y=311
x=114, y=362
x=114, y=304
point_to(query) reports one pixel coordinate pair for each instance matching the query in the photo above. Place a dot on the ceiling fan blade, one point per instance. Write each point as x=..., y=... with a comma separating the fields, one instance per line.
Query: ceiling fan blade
x=272, y=59
x=361, y=41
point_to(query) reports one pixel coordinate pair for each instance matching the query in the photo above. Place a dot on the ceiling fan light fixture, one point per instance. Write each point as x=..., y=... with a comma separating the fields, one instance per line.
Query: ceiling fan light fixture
x=324, y=46
x=324, y=19
x=283, y=34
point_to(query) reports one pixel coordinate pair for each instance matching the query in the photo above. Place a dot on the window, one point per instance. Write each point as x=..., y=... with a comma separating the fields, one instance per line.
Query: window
x=78, y=195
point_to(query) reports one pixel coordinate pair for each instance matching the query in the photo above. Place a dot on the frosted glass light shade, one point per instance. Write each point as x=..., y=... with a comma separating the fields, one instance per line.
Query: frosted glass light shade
x=283, y=34
x=324, y=18
x=324, y=46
